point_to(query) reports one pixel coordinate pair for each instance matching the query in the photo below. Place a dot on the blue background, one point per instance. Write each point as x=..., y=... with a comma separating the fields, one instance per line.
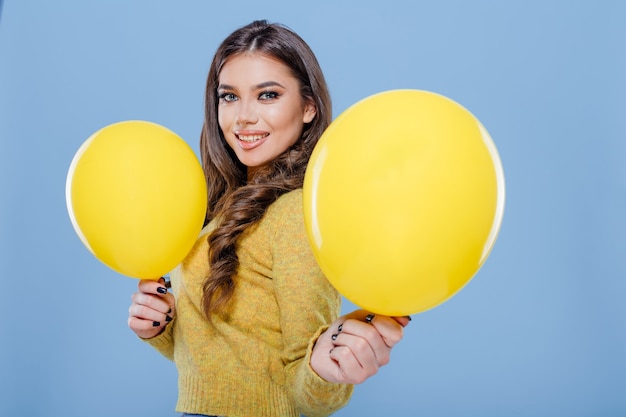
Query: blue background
x=541, y=329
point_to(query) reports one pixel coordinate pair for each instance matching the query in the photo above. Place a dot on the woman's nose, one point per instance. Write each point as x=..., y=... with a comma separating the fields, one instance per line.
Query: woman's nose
x=246, y=113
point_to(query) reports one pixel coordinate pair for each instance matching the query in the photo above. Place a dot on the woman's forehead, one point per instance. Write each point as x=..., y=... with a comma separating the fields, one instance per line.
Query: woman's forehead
x=253, y=67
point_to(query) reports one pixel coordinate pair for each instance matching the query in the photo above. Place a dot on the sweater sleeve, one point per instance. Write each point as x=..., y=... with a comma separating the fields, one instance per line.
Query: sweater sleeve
x=308, y=304
x=164, y=341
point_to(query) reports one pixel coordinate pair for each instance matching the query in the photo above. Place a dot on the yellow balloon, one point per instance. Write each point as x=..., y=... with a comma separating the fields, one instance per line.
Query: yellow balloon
x=403, y=201
x=137, y=197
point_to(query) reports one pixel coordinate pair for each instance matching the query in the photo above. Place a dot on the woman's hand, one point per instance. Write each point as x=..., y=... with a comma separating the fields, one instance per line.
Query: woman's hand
x=355, y=346
x=152, y=308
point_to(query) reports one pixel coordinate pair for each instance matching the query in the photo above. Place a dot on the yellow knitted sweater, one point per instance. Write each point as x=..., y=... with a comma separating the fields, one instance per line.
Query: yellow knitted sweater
x=253, y=359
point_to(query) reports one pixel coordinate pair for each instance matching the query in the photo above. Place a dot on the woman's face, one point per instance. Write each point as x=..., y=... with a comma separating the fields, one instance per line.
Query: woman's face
x=260, y=111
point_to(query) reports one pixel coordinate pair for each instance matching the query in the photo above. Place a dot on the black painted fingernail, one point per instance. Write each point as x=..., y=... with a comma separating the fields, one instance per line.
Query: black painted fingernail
x=369, y=318
x=334, y=337
x=170, y=310
x=168, y=318
x=162, y=290
x=340, y=328
x=408, y=317
x=156, y=324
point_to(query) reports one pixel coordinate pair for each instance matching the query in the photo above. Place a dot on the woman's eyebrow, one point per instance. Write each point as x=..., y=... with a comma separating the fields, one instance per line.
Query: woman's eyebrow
x=267, y=84
x=259, y=86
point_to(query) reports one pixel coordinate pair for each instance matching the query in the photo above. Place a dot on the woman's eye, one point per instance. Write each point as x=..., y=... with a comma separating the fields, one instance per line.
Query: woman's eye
x=227, y=97
x=268, y=95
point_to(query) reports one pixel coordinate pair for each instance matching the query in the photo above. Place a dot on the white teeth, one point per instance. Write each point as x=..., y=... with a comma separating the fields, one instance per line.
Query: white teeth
x=250, y=138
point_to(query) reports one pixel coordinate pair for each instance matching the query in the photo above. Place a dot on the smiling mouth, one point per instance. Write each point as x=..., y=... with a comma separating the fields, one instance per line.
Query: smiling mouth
x=250, y=138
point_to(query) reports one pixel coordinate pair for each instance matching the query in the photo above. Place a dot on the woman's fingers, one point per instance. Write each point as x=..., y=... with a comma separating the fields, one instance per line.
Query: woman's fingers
x=364, y=341
x=153, y=287
x=355, y=358
x=356, y=346
x=389, y=328
x=158, y=303
x=152, y=308
x=144, y=312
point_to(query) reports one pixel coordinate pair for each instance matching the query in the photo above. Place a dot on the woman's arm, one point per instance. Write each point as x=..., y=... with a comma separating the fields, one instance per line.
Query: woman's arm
x=324, y=354
x=308, y=304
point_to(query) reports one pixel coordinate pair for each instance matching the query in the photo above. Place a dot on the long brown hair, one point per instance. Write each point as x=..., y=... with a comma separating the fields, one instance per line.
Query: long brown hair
x=236, y=201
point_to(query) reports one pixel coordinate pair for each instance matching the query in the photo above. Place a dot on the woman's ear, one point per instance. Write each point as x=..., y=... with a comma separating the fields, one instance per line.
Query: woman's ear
x=309, y=112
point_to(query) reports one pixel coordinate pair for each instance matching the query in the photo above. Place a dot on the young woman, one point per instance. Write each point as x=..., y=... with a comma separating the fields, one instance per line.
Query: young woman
x=252, y=322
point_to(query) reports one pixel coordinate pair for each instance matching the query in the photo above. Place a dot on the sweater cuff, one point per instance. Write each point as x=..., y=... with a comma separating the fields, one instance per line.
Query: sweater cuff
x=164, y=341
x=326, y=395
x=309, y=351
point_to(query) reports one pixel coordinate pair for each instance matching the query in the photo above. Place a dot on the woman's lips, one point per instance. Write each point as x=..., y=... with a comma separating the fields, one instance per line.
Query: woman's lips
x=250, y=140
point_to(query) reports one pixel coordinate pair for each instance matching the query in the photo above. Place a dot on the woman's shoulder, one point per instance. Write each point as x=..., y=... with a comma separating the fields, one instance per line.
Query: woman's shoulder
x=285, y=213
x=288, y=202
